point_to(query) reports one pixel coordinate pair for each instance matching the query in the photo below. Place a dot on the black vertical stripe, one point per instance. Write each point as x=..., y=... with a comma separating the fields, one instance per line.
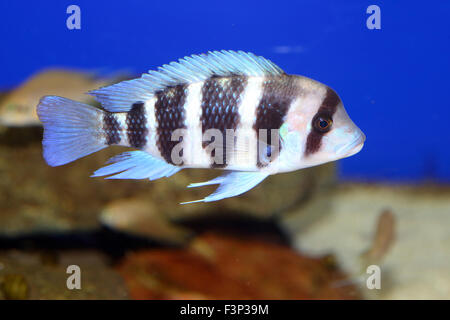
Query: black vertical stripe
x=278, y=94
x=220, y=109
x=136, y=122
x=170, y=115
x=326, y=109
x=111, y=128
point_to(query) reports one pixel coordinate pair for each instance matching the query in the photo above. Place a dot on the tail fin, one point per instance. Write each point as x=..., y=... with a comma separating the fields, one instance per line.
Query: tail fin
x=71, y=129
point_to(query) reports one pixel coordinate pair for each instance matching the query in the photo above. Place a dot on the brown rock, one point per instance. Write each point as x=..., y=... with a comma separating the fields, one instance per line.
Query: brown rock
x=27, y=275
x=14, y=287
x=225, y=267
x=35, y=197
x=142, y=218
x=18, y=108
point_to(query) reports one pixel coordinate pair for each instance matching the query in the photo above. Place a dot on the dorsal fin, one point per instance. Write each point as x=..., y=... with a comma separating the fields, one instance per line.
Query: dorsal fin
x=121, y=96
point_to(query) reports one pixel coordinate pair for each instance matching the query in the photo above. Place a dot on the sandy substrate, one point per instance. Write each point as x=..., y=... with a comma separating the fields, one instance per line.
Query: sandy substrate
x=417, y=266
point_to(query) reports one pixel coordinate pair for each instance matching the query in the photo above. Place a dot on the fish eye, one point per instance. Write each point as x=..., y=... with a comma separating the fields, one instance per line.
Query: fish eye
x=322, y=123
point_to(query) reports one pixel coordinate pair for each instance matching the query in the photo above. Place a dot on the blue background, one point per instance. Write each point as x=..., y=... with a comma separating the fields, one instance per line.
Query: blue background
x=393, y=81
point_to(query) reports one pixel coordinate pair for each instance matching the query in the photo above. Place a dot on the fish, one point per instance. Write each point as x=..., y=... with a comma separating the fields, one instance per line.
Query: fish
x=226, y=110
x=383, y=239
x=18, y=108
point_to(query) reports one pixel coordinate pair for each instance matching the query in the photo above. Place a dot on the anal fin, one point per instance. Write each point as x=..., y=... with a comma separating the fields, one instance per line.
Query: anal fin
x=231, y=184
x=136, y=165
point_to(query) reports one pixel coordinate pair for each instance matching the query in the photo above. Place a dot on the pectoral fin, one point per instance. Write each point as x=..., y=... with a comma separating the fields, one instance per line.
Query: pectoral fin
x=136, y=165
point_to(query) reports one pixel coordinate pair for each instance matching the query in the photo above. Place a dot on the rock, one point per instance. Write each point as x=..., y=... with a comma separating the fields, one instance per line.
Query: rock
x=216, y=266
x=32, y=276
x=142, y=218
x=14, y=287
x=18, y=108
x=35, y=197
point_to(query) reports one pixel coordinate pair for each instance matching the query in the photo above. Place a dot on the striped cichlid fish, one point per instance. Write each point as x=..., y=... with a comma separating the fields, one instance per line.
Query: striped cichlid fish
x=226, y=110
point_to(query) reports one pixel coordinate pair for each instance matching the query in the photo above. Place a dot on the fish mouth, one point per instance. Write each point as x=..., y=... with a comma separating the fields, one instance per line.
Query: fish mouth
x=353, y=147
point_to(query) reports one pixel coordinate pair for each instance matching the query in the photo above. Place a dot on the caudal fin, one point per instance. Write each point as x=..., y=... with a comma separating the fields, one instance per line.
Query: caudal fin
x=71, y=129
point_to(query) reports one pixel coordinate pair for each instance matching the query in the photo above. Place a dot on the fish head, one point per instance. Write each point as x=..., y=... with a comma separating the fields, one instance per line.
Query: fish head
x=340, y=137
x=320, y=129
